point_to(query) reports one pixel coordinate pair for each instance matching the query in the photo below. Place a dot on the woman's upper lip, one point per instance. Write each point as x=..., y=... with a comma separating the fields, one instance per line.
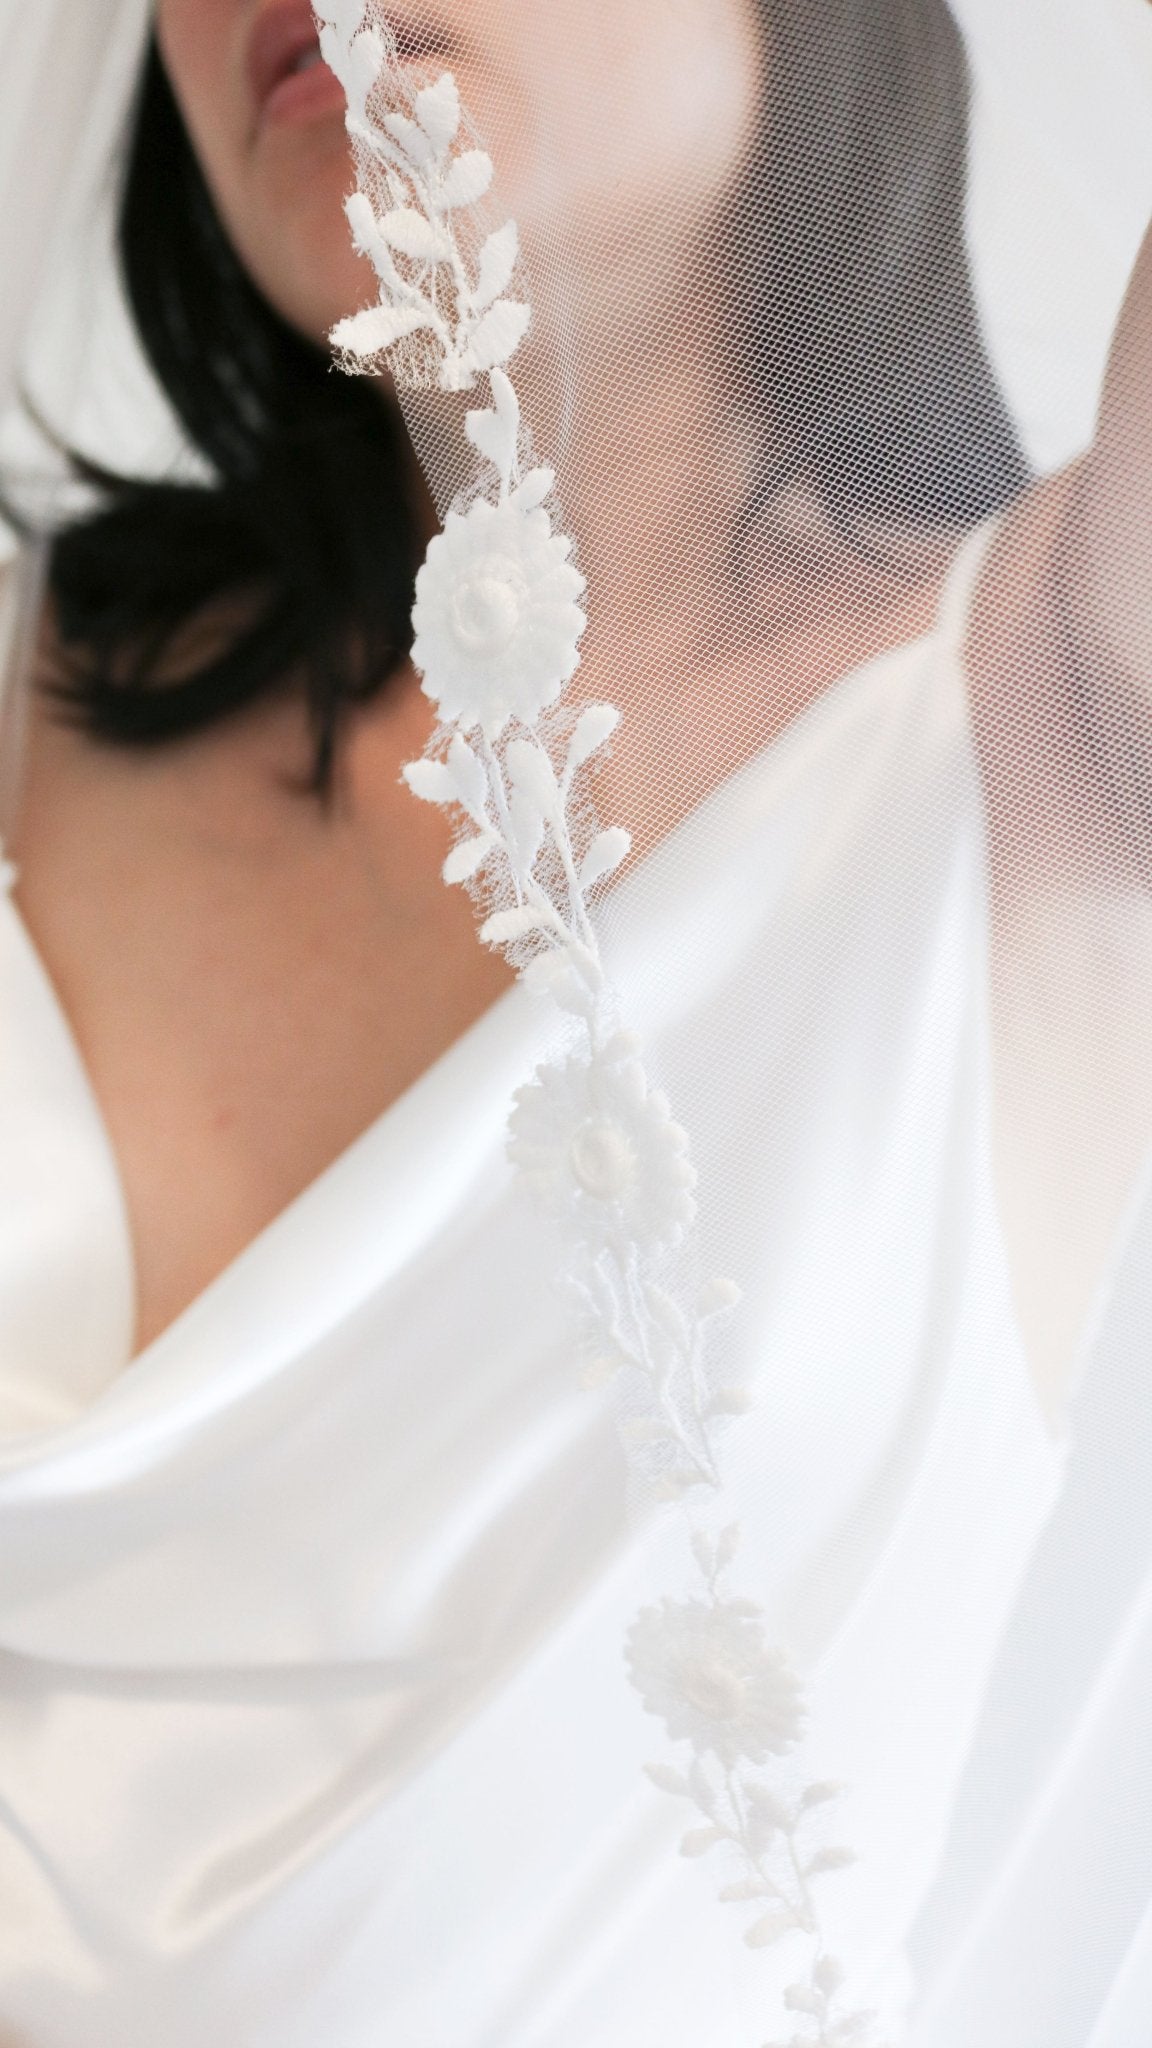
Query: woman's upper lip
x=283, y=33
x=280, y=36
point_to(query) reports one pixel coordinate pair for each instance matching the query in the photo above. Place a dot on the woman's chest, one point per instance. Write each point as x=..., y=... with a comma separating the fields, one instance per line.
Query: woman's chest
x=251, y=977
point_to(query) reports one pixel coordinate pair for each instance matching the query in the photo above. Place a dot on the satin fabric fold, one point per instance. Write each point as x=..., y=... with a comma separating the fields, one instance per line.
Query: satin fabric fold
x=313, y=1722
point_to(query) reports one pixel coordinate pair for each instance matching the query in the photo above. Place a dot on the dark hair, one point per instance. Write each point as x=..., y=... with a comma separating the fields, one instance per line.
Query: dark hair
x=852, y=269
x=854, y=285
x=306, y=523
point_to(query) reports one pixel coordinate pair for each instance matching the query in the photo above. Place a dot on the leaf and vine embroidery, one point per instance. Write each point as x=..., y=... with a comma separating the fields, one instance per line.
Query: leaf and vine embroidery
x=413, y=216
x=498, y=620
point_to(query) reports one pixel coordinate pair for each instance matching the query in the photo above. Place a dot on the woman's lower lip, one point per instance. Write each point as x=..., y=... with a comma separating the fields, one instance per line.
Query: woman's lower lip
x=303, y=96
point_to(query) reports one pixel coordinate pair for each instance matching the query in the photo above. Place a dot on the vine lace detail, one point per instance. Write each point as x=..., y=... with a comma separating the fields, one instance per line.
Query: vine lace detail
x=498, y=621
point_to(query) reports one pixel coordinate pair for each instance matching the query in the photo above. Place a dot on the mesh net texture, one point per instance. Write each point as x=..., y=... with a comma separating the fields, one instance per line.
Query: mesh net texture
x=779, y=370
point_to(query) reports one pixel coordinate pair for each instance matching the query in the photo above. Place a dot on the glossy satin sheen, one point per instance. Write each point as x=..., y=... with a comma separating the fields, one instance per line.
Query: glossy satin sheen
x=313, y=1721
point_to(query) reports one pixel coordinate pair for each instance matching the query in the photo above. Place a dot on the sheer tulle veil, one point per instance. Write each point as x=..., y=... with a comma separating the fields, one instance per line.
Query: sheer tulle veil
x=701, y=462
x=68, y=73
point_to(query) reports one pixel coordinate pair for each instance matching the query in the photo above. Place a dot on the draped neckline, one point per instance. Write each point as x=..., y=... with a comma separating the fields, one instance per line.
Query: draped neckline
x=440, y=1141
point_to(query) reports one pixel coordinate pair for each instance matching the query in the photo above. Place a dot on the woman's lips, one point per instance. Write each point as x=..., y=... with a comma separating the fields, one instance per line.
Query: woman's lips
x=288, y=78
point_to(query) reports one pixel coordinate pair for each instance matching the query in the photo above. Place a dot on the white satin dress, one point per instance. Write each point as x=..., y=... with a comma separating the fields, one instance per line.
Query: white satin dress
x=314, y=1730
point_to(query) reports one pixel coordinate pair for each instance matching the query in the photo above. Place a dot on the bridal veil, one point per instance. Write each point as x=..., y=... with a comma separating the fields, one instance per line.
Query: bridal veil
x=737, y=342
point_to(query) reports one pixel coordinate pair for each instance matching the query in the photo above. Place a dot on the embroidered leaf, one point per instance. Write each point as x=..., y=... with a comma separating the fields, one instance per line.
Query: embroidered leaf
x=487, y=435
x=413, y=234
x=674, y=1485
x=534, y=489
x=598, y=1372
x=728, y=1545
x=412, y=140
x=718, y=1295
x=465, y=859
x=698, y=1841
x=625, y=1047
x=338, y=42
x=668, y=1780
x=800, y=1998
x=700, y=1788
x=770, y=1808
x=363, y=223
x=740, y=1893
x=829, y=1859
x=347, y=16
x=489, y=438
x=505, y=400
x=828, y=1975
x=377, y=328
x=763, y=1933
x=498, y=335
x=593, y=728
x=431, y=781
x=821, y=1793
x=504, y=927
x=438, y=112
x=469, y=777
x=645, y=1429
x=361, y=68
x=604, y=855
x=527, y=827
x=662, y=1306
x=497, y=264
x=533, y=775
x=465, y=181
x=561, y=976
x=731, y=1401
x=495, y=431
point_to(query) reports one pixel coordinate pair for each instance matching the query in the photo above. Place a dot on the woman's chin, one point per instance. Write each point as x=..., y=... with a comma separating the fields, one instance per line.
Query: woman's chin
x=299, y=251
x=327, y=292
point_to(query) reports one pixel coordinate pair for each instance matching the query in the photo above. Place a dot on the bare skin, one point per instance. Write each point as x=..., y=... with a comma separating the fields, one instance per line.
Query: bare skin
x=253, y=979
x=250, y=980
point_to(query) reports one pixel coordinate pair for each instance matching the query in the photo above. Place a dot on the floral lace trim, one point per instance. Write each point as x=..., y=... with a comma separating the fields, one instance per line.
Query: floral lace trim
x=498, y=620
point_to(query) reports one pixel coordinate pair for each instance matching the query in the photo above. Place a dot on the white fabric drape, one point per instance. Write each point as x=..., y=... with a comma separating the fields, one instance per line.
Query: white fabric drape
x=312, y=1721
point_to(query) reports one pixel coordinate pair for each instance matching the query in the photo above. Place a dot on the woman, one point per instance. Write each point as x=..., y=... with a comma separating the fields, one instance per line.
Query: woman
x=280, y=195
x=313, y=1616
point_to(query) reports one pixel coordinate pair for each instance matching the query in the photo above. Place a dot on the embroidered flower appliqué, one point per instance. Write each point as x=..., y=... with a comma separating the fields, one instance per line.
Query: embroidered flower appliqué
x=594, y=1138
x=709, y=1672
x=497, y=617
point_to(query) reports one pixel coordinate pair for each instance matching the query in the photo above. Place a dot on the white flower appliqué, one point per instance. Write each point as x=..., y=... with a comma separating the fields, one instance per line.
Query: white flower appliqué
x=593, y=1139
x=497, y=617
x=707, y=1669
